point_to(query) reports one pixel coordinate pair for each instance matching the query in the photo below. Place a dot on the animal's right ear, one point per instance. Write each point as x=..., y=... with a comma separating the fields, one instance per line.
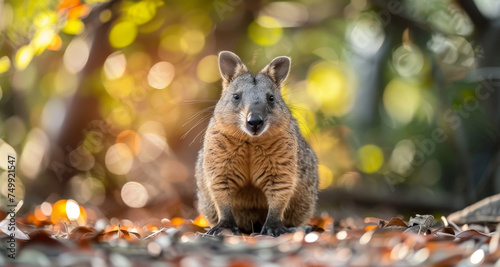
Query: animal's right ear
x=230, y=66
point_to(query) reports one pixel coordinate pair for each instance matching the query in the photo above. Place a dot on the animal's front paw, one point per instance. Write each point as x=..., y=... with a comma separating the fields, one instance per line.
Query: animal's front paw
x=224, y=229
x=275, y=230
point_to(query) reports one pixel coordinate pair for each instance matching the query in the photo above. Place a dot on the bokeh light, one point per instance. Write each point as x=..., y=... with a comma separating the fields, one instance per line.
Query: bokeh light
x=17, y=130
x=171, y=37
x=207, y=69
x=121, y=116
x=152, y=146
x=67, y=211
x=477, y=257
x=306, y=118
x=42, y=39
x=401, y=100
x=153, y=141
x=134, y=195
x=6, y=149
x=120, y=88
x=76, y=55
x=192, y=42
x=87, y=189
x=122, y=34
x=142, y=12
x=78, y=11
x=311, y=237
x=265, y=31
x=325, y=177
x=55, y=43
x=408, y=60
x=367, y=35
x=23, y=57
x=115, y=66
x=73, y=27
x=32, y=156
x=46, y=209
x=4, y=64
x=45, y=19
x=161, y=75
x=105, y=15
x=53, y=115
x=402, y=158
x=327, y=85
x=288, y=14
x=370, y=158
x=131, y=139
x=119, y=159
x=72, y=210
x=39, y=215
x=64, y=83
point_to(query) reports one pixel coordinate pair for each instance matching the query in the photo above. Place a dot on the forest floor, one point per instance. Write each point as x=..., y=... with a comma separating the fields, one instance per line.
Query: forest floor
x=419, y=241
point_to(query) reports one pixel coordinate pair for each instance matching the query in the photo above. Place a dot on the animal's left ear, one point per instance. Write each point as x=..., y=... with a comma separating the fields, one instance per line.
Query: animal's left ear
x=278, y=69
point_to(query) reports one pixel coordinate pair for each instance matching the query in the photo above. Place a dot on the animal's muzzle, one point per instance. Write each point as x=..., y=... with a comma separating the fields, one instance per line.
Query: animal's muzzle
x=254, y=122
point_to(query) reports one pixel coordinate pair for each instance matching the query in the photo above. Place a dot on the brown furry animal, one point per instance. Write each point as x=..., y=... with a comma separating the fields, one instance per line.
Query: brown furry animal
x=255, y=171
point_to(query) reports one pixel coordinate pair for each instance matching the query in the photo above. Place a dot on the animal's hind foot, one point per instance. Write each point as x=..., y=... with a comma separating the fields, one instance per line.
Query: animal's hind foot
x=275, y=230
x=224, y=228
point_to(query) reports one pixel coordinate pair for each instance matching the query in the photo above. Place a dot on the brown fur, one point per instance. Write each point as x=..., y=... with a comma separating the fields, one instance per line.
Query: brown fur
x=263, y=181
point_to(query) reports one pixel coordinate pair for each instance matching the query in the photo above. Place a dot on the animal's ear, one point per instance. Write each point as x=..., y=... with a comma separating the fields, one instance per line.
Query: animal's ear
x=230, y=66
x=278, y=69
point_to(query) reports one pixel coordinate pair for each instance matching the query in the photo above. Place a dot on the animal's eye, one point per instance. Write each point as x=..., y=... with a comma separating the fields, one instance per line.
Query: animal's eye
x=271, y=98
x=236, y=97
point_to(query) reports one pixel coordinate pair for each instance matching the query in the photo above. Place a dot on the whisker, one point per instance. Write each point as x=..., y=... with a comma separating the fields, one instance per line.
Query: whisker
x=198, y=101
x=292, y=90
x=196, y=124
x=301, y=119
x=197, y=114
x=297, y=107
x=196, y=137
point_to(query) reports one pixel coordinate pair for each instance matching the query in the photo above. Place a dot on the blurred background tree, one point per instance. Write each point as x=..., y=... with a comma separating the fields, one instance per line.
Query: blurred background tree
x=106, y=102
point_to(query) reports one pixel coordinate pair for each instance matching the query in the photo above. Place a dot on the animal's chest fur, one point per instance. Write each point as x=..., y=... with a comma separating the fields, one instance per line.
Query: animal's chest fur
x=251, y=162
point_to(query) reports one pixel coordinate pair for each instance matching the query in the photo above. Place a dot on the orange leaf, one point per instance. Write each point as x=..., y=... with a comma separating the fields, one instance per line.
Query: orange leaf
x=78, y=11
x=201, y=221
x=119, y=234
x=326, y=222
x=65, y=4
x=177, y=221
x=59, y=211
x=131, y=139
x=56, y=43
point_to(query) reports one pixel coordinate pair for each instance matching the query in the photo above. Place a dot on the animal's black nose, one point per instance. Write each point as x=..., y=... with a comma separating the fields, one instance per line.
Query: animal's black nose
x=255, y=121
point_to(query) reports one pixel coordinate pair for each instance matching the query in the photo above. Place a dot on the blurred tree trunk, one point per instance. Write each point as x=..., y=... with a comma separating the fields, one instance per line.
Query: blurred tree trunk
x=83, y=109
x=484, y=143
